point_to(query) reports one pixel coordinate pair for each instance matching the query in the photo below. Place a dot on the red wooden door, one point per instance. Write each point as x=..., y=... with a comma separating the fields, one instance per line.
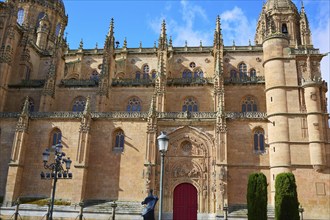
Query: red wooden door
x=185, y=202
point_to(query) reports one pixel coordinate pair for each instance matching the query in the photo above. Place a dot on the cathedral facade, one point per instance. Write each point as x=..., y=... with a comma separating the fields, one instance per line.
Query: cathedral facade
x=228, y=111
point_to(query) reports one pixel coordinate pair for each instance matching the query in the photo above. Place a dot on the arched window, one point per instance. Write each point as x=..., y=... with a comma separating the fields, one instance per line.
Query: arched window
x=56, y=136
x=253, y=73
x=153, y=74
x=119, y=140
x=94, y=76
x=58, y=29
x=190, y=105
x=242, y=70
x=134, y=105
x=145, y=72
x=233, y=74
x=284, y=29
x=41, y=15
x=137, y=75
x=20, y=16
x=259, y=141
x=79, y=104
x=186, y=74
x=249, y=104
x=198, y=73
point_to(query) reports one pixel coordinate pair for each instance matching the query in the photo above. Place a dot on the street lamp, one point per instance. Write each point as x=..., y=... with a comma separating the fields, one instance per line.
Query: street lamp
x=162, y=147
x=57, y=171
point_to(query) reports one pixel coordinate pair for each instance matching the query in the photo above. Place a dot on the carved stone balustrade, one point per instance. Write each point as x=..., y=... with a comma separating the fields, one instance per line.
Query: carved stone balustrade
x=78, y=83
x=245, y=80
x=132, y=82
x=189, y=81
x=303, y=51
x=34, y=83
x=246, y=115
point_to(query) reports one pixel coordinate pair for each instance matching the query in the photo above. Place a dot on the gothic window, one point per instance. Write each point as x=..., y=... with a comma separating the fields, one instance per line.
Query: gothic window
x=119, y=140
x=198, y=73
x=253, y=73
x=259, y=141
x=249, y=104
x=242, y=70
x=94, y=76
x=233, y=74
x=20, y=16
x=137, y=75
x=134, y=105
x=145, y=72
x=186, y=74
x=56, y=136
x=284, y=29
x=79, y=104
x=153, y=74
x=190, y=105
x=58, y=29
x=41, y=15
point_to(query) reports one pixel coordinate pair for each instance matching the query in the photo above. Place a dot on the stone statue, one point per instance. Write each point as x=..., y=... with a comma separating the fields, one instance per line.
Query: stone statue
x=150, y=203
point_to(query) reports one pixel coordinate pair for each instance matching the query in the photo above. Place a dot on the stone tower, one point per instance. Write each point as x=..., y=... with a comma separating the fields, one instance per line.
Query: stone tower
x=284, y=34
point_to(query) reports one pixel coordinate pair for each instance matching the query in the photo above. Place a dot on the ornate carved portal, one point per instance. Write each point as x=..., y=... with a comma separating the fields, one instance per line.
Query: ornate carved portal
x=188, y=160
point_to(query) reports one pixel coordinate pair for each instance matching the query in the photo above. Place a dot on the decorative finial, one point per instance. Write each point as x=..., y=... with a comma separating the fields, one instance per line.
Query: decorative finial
x=218, y=24
x=96, y=46
x=170, y=42
x=81, y=44
x=249, y=42
x=185, y=43
x=25, y=109
x=140, y=44
x=110, y=33
x=200, y=43
x=125, y=43
x=233, y=43
x=155, y=44
x=87, y=109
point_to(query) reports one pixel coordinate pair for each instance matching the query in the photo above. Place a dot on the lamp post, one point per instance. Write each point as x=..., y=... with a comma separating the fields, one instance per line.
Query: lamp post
x=162, y=147
x=57, y=171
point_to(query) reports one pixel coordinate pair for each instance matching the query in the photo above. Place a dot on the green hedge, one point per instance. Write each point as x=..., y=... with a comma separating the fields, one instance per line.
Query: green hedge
x=257, y=197
x=286, y=199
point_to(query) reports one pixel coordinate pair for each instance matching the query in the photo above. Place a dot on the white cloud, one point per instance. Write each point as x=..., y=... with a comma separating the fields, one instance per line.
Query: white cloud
x=183, y=29
x=236, y=26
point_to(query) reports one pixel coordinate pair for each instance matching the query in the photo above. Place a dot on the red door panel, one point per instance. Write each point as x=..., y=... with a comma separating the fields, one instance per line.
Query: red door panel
x=185, y=202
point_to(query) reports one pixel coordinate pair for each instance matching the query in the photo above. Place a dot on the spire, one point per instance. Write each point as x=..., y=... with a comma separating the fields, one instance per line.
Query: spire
x=163, y=38
x=111, y=28
x=218, y=24
x=217, y=33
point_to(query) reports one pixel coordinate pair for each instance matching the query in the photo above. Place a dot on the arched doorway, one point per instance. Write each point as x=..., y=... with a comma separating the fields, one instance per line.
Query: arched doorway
x=185, y=202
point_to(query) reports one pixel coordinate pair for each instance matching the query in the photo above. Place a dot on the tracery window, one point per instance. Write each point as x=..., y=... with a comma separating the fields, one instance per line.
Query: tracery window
x=249, y=104
x=119, y=140
x=253, y=73
x=198, y=73
x=242, y=70
x=58, y=29
x=186, y=74
x=20, y=16
x=134, y=105
x=146, y=72
x=79, y=104
x=137, y=75
x=233, y=74
x=259, y=141
x=56, y=136
x=190, y=105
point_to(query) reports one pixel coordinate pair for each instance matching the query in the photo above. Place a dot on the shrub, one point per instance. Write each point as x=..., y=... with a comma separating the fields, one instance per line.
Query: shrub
x=257, y=197
x=286, y=200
